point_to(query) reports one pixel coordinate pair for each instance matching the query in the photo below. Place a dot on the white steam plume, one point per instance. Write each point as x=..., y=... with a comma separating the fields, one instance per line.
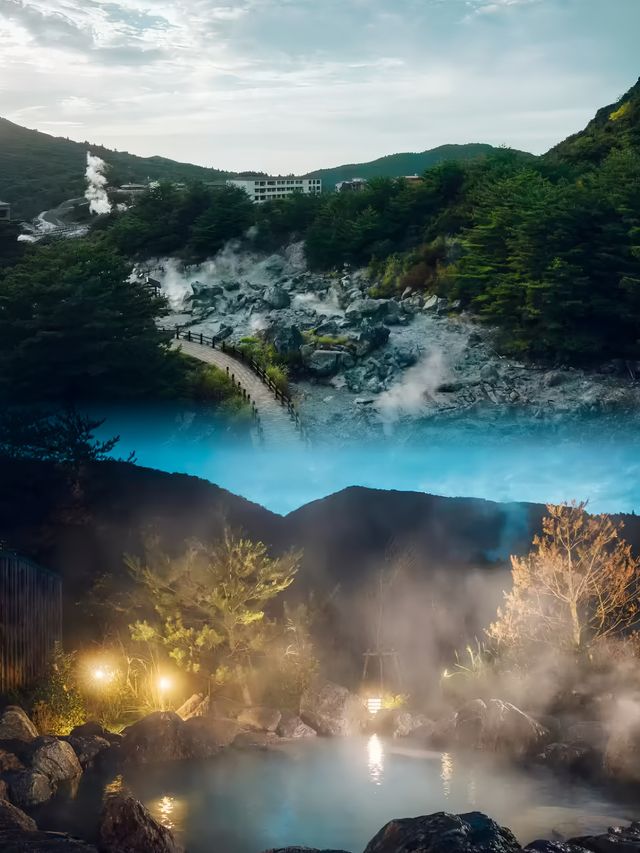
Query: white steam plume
x=96, y=193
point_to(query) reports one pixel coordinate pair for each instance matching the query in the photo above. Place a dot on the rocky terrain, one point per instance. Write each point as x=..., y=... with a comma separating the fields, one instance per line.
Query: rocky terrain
x=34, y=769
x=375, y=362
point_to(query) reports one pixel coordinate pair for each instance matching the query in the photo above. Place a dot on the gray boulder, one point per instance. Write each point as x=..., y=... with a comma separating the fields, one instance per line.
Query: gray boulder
x=190, y=707
x=21, y=841
x=571, y=758
x=444, y=833
x=286, y=339
x=332, y=710
x=16, y=725
x=291, y=726
x=370, y=339
x=508, y=729
x=9, y=760
x=127, y=827
x=56, y=760
x=260, y=718
x=301, y=850
x=360, y=309
x=592, y=734
x=323, y=362
x=277, y=298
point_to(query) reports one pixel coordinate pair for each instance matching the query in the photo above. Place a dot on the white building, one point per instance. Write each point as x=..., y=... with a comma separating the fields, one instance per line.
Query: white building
x=261, y=188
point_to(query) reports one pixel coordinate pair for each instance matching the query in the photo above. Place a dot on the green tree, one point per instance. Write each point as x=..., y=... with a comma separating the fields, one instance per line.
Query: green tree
x=73, y=327
x=210, y=604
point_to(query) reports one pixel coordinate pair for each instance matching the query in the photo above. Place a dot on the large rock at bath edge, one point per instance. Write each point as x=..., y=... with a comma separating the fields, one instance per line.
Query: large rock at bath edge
x=56, y=760
x=11, y=817
x=291, y=726
x=444, y=833
x=28, y=788
x=302, y=850
x=16, y=725
x=332, y=710
x=127, y=827
x=260, y=718
x=155, y=738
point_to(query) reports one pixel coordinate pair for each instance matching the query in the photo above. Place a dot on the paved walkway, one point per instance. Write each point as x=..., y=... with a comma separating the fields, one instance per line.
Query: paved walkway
x=277, y=425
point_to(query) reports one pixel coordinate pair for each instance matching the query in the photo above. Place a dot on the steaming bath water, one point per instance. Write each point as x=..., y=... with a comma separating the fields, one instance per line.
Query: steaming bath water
x=338, y=793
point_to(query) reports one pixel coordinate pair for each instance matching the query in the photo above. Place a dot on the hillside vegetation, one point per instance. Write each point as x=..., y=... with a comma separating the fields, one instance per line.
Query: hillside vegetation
x=39, y=171
x=401, y=165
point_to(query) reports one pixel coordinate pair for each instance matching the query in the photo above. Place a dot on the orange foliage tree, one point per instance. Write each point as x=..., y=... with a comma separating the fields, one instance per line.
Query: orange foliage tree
x=577, y=586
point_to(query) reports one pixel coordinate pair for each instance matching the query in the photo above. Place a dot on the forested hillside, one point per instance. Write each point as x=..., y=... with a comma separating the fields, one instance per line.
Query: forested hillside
x=38, y=171
x=399, y=165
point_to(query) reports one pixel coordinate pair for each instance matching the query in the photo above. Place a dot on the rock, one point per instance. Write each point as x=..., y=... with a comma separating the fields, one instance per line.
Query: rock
x=394, y=722
x=407, y=356
x=470, y=722
x=291, y=726
x=277, y=298
x=301, y=850
x=155, y=738
x=56, y=760
x=323, y=362
x=254, y=740
x=127, y=827
x=223, y=332
x=430, y=303
x=4, y=790
x=88, y=748
x=618, y=839
x=361, y=308
x=571, y=758
x=231, y=286
x=11, y=817
x=489, y=372
x=9, y=761
x=190, y=707
x=16, y=725
x=508, y=729
x=370, y=339
x=28, y=788
x=444, y=833
x=89, y=729
x=553, y=847
x=332, y=710
x=260, y=718
x=553, y=378
x=286, y=340
x=19, y=841
x=203, y=737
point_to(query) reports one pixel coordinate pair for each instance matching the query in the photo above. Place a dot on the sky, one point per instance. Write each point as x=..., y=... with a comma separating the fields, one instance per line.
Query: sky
x=542, y=463
x=293, y=85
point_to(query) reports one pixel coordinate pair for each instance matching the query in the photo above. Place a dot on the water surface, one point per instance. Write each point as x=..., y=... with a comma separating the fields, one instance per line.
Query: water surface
x=339, y=793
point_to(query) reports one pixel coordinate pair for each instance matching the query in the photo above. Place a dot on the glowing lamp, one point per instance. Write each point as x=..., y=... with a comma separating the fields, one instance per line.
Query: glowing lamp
x=164, y=684
x=374, y=704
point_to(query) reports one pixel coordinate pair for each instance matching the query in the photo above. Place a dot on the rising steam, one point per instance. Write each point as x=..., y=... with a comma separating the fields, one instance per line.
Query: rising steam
x=96, y=193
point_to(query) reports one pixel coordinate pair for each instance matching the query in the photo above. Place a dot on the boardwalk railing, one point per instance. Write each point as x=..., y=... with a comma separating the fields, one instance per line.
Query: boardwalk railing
x=234, y=352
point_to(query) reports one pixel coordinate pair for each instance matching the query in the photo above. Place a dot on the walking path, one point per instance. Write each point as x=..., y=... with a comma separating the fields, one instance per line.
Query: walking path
x=277, y=425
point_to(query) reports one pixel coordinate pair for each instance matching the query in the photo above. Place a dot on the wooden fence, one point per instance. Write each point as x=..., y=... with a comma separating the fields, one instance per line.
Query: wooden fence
x=30, y=620
x=281, y=396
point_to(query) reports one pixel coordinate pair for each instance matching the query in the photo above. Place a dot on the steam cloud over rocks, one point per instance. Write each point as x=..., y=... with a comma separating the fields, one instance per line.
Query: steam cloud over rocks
x=372, y=365
x=96, y=193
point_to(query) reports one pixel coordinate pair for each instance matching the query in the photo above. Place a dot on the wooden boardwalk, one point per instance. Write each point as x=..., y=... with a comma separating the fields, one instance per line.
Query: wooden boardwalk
x=278, y=427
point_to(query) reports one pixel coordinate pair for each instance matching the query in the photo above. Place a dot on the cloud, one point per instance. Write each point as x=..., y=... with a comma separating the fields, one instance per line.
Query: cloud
x=296, y=84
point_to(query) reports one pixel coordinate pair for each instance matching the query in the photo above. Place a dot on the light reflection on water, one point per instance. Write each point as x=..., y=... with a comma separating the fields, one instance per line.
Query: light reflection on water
x=376, y=759
x=338, y=793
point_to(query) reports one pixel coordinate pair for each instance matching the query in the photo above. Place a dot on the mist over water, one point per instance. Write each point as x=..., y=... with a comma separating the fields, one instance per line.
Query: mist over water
x=338, y=793
x=592, y=459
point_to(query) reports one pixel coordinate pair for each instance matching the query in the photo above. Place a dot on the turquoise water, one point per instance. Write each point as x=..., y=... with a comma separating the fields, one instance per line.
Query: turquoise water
x=338, y=793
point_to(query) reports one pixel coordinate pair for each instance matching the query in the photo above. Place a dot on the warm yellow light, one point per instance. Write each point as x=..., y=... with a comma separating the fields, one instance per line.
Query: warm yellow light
x=102, y=675
x=99, y=674
x=374, y=704
x=164, y=684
